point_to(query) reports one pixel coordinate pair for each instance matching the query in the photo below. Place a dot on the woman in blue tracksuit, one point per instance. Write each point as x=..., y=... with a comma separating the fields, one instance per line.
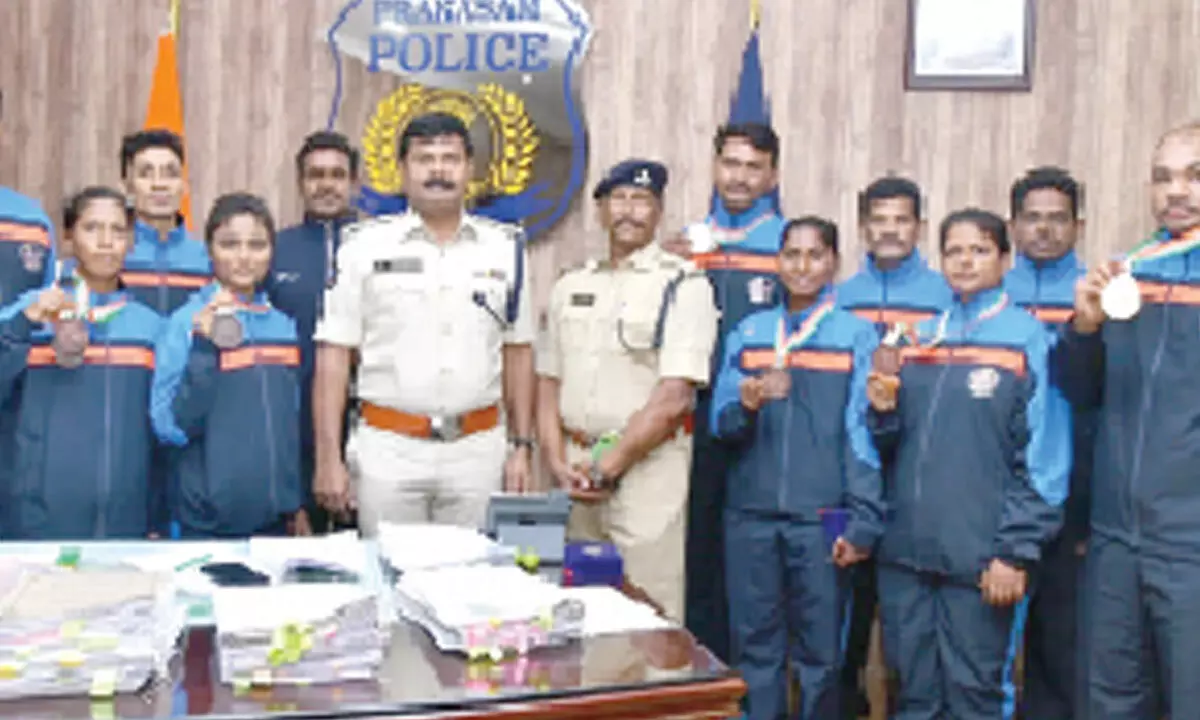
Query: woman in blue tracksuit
x=226, y=389
x=980, y=452
x=790, y=399
x=78, y=457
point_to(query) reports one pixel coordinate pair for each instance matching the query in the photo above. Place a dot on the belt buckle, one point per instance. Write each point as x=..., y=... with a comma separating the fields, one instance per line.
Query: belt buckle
x=445, y=428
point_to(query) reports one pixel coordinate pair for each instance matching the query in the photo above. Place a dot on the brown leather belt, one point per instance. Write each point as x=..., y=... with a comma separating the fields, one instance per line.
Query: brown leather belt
x=586, y=440
x=445, y=428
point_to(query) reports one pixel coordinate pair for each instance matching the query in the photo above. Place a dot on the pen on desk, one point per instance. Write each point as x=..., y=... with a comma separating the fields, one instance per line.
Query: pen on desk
x=193, y=562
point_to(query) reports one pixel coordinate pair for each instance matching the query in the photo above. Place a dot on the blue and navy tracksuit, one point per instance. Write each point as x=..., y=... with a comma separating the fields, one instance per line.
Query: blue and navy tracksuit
x=233, y=416
x=26, y=246
x=981, y=454
x=1141, y=624
x=1047, y=290
x=907, y=293
x=163, y=273
x=794, y=459
x=301, y=269
x=743, y=270
x=80, y=453
x=26, y=263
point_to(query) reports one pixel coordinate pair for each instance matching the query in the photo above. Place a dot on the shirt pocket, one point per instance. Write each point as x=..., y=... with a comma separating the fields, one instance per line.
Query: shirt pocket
x=396, y=297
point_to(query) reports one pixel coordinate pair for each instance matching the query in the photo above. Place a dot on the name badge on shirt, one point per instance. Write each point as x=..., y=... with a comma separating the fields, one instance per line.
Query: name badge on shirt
x=583, y=299
x=409, y=265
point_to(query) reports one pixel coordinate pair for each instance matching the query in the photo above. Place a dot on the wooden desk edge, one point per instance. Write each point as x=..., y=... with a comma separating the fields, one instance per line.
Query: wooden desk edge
x=708, y=699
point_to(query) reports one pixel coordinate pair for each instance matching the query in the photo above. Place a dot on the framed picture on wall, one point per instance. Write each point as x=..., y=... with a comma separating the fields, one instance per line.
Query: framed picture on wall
x=970, y=45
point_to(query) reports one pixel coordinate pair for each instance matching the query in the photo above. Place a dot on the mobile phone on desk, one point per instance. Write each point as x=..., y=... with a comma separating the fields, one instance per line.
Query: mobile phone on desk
x=234, y=575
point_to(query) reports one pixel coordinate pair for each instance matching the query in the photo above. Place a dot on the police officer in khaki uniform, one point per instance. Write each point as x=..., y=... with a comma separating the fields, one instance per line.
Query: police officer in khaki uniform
x=435, y=303
x=627, y=342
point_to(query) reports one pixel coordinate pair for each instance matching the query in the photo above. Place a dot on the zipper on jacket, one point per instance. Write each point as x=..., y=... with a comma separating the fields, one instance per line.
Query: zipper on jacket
x=273, y=479
x=106, y=471
x=160, y=264
x=785, y=475
x=1135, y=469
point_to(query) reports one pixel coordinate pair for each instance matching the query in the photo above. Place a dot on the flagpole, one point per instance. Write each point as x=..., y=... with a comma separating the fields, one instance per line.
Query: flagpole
x=755, y=13
x=174, y=15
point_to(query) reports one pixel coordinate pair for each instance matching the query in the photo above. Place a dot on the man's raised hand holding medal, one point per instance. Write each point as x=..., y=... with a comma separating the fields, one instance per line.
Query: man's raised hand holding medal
x=883, y=383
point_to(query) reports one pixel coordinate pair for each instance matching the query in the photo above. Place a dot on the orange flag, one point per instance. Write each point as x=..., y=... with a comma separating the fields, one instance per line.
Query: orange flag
x=165, y=109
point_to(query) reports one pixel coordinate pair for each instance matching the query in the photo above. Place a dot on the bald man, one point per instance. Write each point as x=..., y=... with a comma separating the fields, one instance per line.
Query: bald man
x=1131, y=355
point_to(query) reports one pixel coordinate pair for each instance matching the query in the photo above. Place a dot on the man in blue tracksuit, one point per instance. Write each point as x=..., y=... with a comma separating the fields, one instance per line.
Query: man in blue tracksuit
x=80, y=456
x=303, y=266
x=980, y=457
x=166, y=264
x=790, y=400
x=742, y=269
x=894, y=286
x=1137, y=371
x=1045, y=220
x=228, y=398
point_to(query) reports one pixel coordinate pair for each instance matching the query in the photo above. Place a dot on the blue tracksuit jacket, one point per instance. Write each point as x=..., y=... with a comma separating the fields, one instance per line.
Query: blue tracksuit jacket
x=813, y=451
x=163, y=274
x=26, y=246
x=81, y=450
x=300, y=271
x=233, y=414
x=908, y=293
x=1139, y=377
x=982, y=445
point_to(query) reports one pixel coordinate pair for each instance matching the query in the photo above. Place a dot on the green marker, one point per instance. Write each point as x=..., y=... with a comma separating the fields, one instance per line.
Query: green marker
x=68, y=556
x=606, y=442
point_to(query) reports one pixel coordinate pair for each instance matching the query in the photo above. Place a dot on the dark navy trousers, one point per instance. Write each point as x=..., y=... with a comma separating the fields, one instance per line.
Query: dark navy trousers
x=1052, y=681
x=787, y=607
x=1141, y=630
x=952, y=652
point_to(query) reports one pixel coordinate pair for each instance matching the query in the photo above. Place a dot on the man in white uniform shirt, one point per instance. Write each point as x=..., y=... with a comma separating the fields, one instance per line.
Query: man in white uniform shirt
x=435, y=303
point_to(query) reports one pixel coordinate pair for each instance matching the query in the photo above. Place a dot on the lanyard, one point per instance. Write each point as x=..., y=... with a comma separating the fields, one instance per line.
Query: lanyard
x=1152, y=249
x=944, y=321
x=785, y=343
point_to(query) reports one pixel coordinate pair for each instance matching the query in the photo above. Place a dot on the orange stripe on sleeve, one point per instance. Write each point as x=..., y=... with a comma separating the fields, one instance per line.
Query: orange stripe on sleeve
x=737, y=261
x=893, y=316
x=111, y=355
x=135, y=278
x=1003, y=358
x=823, y=360
x=248, y=357
x=24, y=233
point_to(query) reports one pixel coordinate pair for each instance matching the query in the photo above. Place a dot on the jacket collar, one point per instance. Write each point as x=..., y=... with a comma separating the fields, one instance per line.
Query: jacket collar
x=909, y=267
x=1056, y=269
x=982, y=302
x=319, y=223
x=148, y=233
x=725, y=219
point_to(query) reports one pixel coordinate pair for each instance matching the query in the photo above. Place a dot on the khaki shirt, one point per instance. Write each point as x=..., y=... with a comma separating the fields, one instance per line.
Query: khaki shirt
x=599, y=339
x=415, y=311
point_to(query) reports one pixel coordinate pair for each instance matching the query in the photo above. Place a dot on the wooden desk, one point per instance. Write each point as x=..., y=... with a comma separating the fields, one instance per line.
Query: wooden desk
x=637, y=676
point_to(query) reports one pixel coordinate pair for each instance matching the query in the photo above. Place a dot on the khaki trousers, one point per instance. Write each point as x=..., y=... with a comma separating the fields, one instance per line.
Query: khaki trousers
x=646, y=519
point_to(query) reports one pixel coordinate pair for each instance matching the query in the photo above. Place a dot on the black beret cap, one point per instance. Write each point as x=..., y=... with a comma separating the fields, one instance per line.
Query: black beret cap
x=638, y=173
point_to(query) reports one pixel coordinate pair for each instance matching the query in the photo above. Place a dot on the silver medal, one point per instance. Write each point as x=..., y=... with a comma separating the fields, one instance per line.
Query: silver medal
x=1121, y=299
x=700, y=235
x=227, y=332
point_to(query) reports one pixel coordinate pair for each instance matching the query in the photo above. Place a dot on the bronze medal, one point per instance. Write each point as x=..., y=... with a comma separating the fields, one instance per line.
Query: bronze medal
x=886, y=360
x=777, y=384
x=70, y=342
x=227, y=332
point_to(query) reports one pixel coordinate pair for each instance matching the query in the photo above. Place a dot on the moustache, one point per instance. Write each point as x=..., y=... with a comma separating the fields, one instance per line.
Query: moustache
x=439, y=183
x=738, y=187
x=889, y=238
x=627, y=221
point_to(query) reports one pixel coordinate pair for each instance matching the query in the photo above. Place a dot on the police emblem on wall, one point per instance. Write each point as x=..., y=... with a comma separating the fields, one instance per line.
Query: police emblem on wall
x=506, y=68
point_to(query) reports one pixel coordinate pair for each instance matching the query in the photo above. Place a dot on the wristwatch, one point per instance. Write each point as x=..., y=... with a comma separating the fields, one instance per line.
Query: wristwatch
x=521, y=442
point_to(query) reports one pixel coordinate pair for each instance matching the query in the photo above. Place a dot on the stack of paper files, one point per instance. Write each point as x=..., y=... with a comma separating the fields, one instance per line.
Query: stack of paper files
x=83, y=632
x=491, y=610
x=297, y=634
x=421, y=547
